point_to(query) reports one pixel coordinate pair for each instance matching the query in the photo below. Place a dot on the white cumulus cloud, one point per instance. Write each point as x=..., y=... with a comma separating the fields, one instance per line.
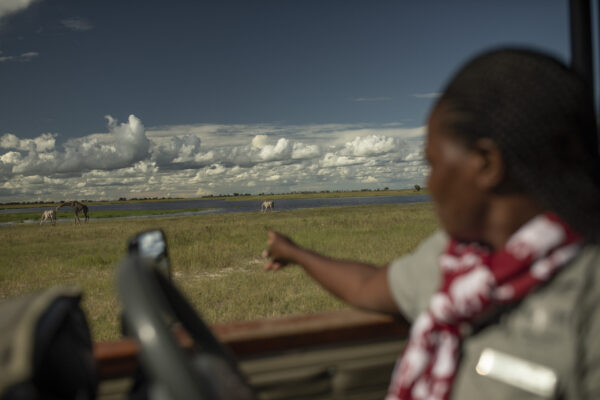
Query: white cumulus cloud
x=302, y=151
x=12, y=157
x=259, y=141
x=334, y=160
x=44, y=142
x=371, y=145
x=124, y=145
x=415, y=156
x=134, y=161
x=177, y=149
x=369, y=179
x=279, y=151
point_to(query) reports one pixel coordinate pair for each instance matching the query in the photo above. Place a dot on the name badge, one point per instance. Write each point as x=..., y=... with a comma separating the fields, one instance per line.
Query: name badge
x=526, y=375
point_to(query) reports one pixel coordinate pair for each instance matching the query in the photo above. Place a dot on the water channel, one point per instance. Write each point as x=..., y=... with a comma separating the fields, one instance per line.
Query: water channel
x=224, y=206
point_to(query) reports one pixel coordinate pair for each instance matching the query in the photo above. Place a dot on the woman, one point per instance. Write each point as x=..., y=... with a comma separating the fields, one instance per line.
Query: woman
x=504, y=300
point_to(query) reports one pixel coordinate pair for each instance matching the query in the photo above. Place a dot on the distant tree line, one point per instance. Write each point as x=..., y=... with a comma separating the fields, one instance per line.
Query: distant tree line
x=145, y=198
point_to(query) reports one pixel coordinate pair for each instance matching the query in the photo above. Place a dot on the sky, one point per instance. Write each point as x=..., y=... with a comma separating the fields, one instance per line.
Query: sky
x=102, y=99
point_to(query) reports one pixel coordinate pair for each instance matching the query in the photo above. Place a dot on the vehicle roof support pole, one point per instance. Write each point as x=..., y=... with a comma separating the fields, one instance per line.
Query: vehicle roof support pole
x=582, y=55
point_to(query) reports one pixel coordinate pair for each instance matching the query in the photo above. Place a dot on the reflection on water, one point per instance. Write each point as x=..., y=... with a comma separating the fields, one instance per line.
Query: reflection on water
x=223, y=206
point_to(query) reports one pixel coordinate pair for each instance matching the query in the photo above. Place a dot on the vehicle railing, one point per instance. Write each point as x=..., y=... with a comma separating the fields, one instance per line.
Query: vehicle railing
x=250, y=339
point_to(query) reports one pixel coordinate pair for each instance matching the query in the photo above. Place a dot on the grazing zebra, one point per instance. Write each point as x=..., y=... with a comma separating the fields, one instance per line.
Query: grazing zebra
x=49, y=215
x=267, y=205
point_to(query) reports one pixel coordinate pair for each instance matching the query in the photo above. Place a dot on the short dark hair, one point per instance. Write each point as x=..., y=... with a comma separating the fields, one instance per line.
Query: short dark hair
x=540, y=113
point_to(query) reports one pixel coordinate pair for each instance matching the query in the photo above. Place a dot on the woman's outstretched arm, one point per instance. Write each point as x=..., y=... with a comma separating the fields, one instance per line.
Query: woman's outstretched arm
x=359, y=284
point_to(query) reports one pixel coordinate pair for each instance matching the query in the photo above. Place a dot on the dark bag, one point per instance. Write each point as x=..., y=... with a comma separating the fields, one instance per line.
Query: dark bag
x=46, y=347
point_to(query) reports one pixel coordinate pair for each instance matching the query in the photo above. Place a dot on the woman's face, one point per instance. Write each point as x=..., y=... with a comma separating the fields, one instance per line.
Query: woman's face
x=459, y=203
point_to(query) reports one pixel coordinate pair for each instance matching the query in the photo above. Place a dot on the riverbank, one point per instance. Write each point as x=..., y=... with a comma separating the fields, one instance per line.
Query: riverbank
x=242, y=197
x=67, y=215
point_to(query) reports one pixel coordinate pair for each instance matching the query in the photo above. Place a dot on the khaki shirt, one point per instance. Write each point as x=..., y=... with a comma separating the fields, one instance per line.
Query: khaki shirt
x=546, y=346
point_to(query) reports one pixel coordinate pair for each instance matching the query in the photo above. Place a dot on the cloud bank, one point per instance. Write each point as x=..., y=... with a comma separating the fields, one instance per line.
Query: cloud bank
x=130, y=160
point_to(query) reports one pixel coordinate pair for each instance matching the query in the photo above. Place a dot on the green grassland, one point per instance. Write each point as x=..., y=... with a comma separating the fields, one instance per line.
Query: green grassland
x=215, y=257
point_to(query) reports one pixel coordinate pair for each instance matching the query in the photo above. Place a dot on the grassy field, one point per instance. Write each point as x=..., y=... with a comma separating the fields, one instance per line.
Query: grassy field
x=215, y=258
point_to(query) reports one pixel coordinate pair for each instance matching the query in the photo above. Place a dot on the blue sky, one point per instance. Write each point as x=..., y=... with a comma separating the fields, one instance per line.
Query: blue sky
x=103, y=99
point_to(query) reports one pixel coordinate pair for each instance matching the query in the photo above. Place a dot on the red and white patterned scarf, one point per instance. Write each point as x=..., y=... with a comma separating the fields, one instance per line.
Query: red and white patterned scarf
x=473, y=280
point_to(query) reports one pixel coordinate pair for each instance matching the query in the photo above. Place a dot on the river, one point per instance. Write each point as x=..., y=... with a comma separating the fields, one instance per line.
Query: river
x=224, y=206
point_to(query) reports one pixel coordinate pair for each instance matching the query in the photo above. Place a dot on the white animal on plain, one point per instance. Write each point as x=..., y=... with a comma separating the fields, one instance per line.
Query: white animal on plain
x=49, y=215
x=267, y=205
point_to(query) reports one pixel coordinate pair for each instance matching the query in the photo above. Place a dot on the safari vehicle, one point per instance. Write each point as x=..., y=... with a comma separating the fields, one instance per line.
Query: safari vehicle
x=168, y=352
x=302, y=357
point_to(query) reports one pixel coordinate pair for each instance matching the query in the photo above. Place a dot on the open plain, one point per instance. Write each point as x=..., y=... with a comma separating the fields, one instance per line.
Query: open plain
x=215, y=259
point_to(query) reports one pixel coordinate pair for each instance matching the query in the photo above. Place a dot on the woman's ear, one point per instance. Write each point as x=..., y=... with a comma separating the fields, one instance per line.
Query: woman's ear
x=491, y=172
